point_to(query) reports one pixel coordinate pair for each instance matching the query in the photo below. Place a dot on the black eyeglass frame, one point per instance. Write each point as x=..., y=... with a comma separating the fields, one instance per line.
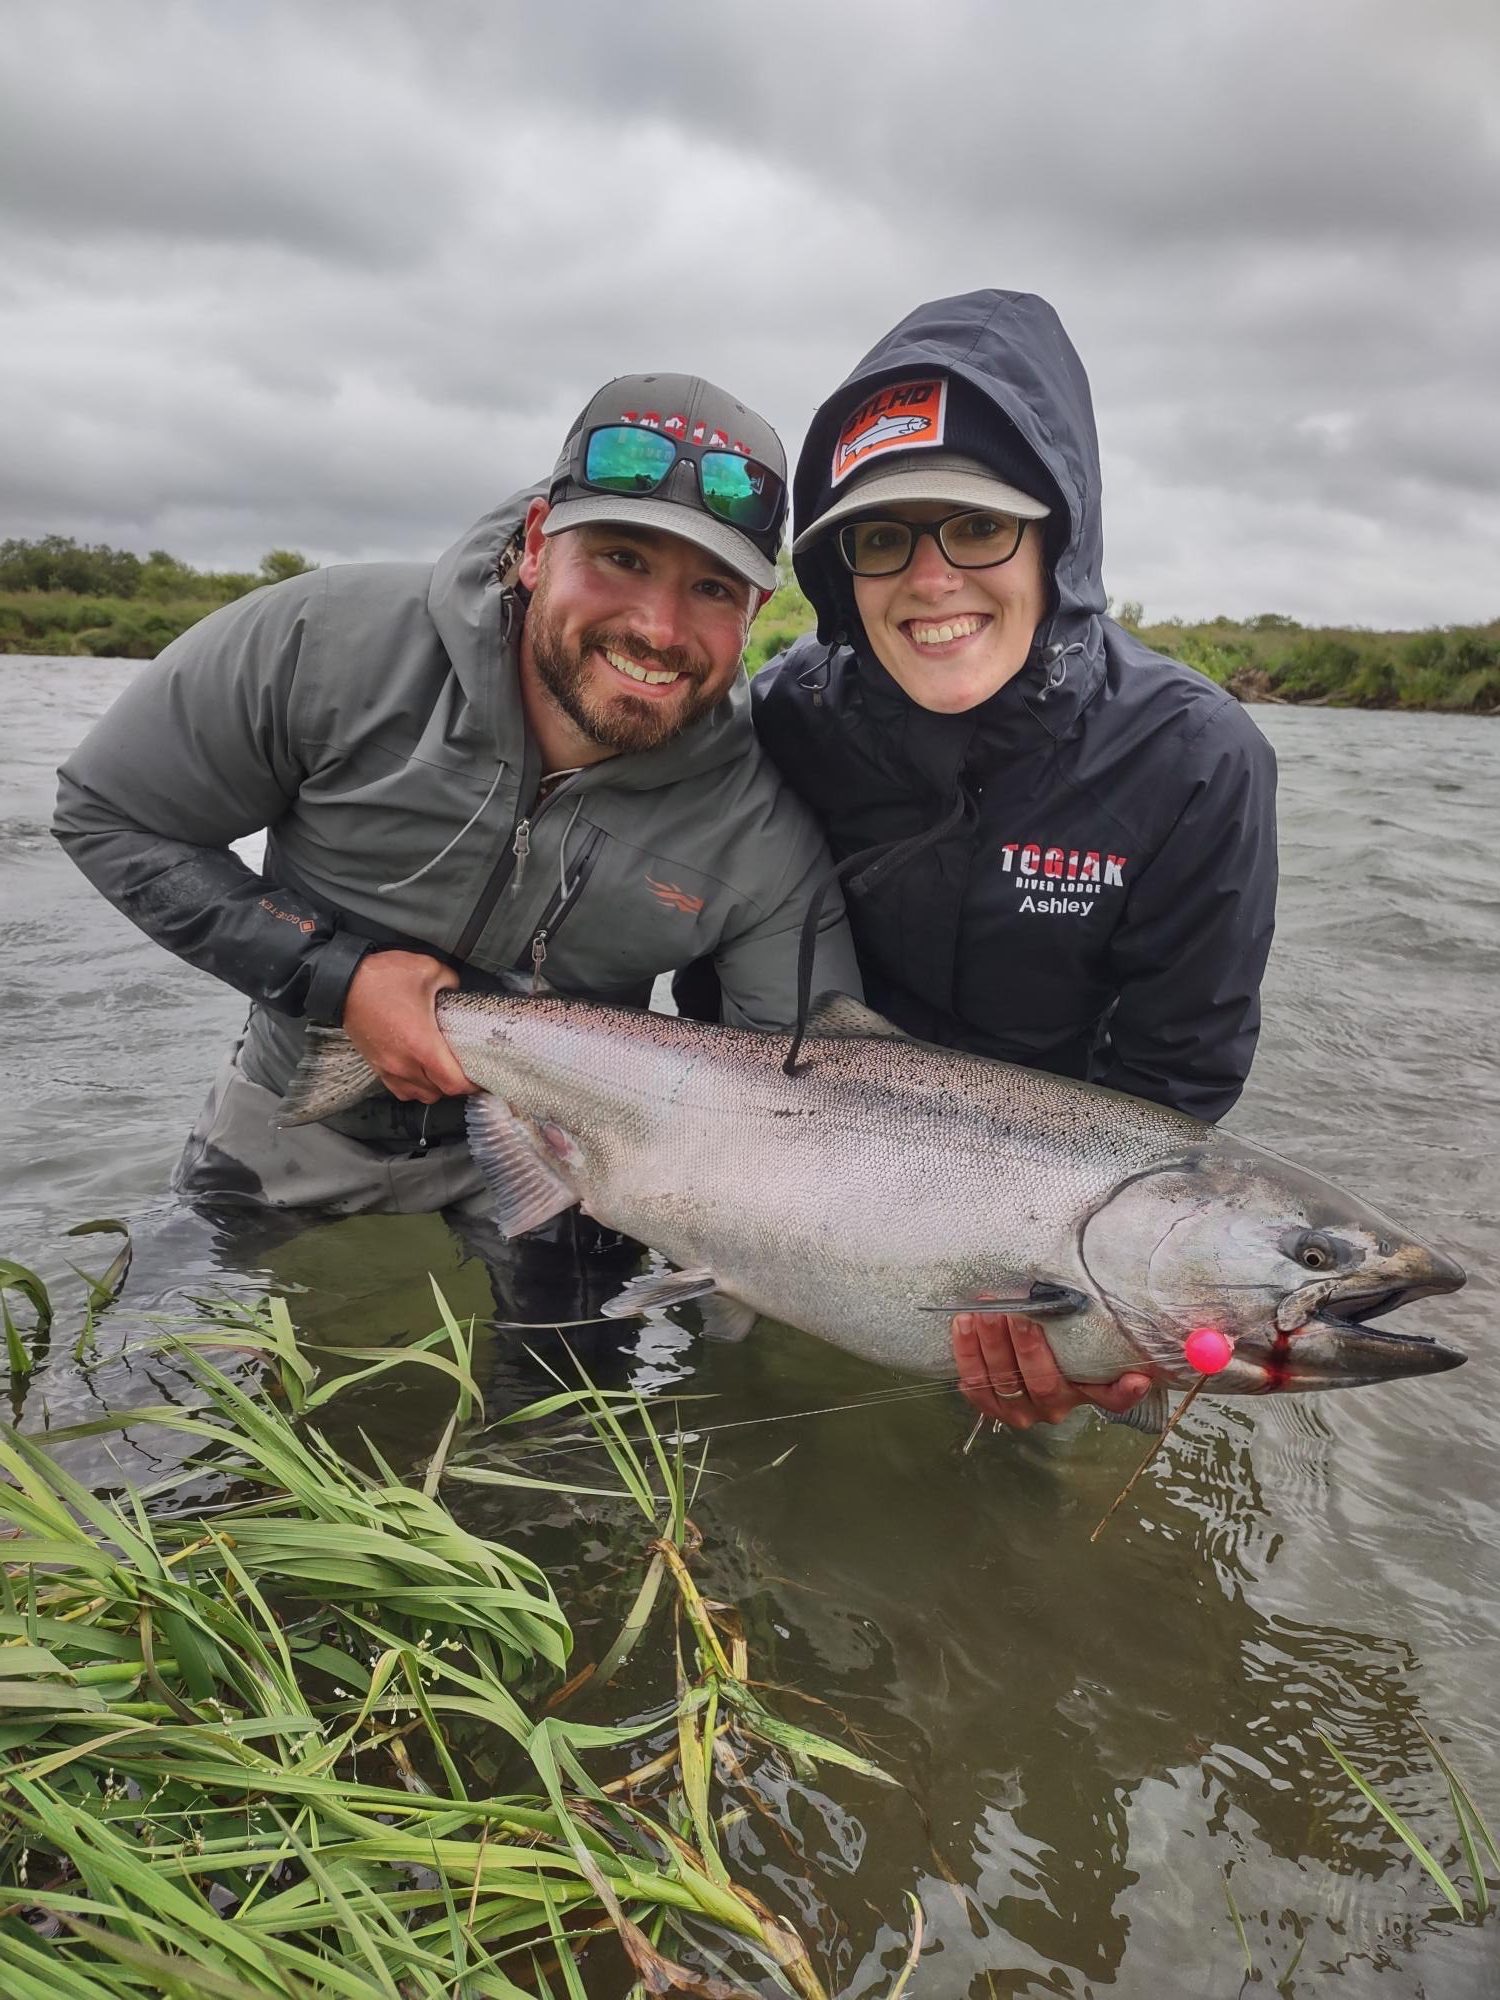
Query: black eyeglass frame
x=695, y=454
x=937, y=530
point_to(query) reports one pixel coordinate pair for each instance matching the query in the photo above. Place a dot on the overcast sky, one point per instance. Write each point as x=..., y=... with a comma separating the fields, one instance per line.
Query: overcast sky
x=337, y=276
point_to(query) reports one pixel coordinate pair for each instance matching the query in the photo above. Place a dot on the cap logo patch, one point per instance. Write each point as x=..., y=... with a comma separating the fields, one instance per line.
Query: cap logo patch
x=715, y=437
x=904, y=417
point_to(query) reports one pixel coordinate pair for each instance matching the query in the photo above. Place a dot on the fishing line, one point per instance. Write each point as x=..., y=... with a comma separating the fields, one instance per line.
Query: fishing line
x=906, y=1393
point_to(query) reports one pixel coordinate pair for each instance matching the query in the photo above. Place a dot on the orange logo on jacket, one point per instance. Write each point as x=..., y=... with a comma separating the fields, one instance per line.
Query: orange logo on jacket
x=904, y=417
x=675, y=898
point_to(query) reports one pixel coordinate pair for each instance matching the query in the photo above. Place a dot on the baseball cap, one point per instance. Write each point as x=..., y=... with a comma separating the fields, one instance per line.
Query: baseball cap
x=925, y=438
x=676, y=453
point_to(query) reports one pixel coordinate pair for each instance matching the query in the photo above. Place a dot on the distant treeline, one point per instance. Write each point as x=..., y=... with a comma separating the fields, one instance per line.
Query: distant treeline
x=65, y=597
x=59, y=597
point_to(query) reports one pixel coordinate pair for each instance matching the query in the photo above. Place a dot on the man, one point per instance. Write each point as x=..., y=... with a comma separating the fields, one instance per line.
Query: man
x=533, y=755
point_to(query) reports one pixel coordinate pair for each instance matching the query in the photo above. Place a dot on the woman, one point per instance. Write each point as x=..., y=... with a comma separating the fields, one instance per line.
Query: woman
x=1096, y=891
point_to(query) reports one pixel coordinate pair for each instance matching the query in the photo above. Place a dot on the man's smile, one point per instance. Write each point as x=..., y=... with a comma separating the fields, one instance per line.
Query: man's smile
x=652, y=678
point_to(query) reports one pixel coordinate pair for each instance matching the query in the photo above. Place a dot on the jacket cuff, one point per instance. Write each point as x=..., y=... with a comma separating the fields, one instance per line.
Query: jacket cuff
x=336, y=965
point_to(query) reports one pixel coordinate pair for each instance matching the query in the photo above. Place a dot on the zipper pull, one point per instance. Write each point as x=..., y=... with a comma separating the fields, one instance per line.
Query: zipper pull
x=538, y=955
x=520, y=850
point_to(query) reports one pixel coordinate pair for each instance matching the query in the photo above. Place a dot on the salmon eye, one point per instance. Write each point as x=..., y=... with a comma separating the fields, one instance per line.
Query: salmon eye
x=1314, y=1251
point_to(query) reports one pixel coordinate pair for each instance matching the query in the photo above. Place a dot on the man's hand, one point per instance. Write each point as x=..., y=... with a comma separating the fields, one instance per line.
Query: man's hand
x=389, y=1016
x=1007, y=1370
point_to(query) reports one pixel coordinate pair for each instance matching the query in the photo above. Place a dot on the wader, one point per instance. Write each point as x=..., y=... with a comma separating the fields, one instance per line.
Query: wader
x=389, y=1158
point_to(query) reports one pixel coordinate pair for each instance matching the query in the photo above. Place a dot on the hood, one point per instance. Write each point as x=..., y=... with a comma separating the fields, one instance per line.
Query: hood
x=1011, y=347
x=478, y=610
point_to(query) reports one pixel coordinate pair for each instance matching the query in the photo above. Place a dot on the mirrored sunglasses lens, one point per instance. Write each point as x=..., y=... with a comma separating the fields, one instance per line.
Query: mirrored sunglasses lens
x=876, y=548
x=623, y=459
x=741, y=490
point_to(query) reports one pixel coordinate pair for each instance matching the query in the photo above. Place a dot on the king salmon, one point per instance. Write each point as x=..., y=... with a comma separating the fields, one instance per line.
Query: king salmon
x=887, y=1184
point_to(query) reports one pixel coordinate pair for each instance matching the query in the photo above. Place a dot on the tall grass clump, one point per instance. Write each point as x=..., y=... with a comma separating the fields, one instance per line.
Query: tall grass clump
x=313, y=1740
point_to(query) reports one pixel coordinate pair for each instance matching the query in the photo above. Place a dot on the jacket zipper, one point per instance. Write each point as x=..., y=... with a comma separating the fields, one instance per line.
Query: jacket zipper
x=509, y=868
x=553, y=916
x=520, y=848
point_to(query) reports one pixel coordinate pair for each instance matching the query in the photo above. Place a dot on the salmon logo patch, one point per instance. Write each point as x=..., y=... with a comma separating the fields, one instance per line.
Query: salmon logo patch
x=675, y=898
x=904, y=417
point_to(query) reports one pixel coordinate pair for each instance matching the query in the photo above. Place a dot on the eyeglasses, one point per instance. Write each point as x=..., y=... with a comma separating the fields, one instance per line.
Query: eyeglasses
x=625, y=458
x=975, y=539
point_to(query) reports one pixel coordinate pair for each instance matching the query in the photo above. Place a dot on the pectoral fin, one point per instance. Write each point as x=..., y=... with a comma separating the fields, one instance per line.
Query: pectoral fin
x=726, y=1318
x=1039, y=1300
x=655, y=1289
x=1149, y=1414
x=527, y=1187
x=331, y=1076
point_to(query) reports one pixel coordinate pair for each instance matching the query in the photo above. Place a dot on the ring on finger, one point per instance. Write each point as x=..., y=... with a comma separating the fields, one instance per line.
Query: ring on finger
x=1008, y=1395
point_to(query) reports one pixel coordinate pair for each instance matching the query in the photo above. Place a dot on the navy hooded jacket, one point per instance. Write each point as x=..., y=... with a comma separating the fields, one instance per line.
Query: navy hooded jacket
x=1104, y=907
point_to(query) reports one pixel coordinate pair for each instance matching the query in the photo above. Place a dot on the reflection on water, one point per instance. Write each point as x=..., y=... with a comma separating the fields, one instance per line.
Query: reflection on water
x=1088, y=1737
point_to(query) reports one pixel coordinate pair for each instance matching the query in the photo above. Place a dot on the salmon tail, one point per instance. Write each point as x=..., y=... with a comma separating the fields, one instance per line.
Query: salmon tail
x=331, y=1076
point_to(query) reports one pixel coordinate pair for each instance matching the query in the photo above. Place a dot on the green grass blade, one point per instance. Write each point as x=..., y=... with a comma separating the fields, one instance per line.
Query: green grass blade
x=17, y=1277
x=1397, y=1825
x=1238, y=1922
x=1470, y=1821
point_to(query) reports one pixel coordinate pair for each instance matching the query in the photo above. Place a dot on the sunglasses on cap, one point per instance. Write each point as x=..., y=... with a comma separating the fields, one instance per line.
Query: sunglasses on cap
x=625, y=458
x=978, y=538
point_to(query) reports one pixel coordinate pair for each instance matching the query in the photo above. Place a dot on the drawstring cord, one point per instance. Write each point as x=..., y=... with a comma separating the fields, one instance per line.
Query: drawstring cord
x=1055, y=659
x=884, y=860
x=562, y=853
x=505, y=577
x=387, y=888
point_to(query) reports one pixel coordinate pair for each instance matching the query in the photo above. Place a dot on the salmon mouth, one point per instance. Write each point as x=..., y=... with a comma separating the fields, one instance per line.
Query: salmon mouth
x=1338, y=1346
x=1359, y=1308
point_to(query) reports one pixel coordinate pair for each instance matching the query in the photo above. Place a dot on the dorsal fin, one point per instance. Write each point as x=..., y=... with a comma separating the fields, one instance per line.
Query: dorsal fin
x=839, y=1014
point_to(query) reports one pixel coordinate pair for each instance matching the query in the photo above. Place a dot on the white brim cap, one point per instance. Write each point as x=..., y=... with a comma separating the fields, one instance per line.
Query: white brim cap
x=939, y=475
x=671, y=517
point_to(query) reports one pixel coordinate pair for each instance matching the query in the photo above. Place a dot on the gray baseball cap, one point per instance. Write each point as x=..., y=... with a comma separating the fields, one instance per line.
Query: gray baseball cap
x=945, y=476
x=674, y=452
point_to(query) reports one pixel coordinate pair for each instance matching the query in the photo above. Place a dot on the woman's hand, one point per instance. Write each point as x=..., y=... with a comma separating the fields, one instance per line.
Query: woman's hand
x=1007, y=1370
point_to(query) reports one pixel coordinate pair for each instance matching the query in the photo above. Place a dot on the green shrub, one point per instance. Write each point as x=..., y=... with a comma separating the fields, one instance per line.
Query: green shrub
x=1314, y=667
x=1219, y=658
x=786, y=617
x=57, y=562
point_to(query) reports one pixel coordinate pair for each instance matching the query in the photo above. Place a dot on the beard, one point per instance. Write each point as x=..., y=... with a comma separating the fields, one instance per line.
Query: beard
x=614, y=720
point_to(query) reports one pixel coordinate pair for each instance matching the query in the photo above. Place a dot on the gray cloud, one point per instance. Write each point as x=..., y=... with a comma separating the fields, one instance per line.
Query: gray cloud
x=339, y=276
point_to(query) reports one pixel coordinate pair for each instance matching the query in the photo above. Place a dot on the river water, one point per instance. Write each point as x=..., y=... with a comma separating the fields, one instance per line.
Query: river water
x=1088, y=1738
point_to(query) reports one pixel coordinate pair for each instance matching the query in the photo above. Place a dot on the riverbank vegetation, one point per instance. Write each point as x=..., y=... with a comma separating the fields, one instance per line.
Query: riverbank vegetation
x=60, y=597
x=312, y=1735
x=289, y=1721
x=57, y=597
x=1271, y=658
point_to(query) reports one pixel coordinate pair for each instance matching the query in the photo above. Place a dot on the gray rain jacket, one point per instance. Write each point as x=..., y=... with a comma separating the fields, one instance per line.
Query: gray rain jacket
x=369, y=716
